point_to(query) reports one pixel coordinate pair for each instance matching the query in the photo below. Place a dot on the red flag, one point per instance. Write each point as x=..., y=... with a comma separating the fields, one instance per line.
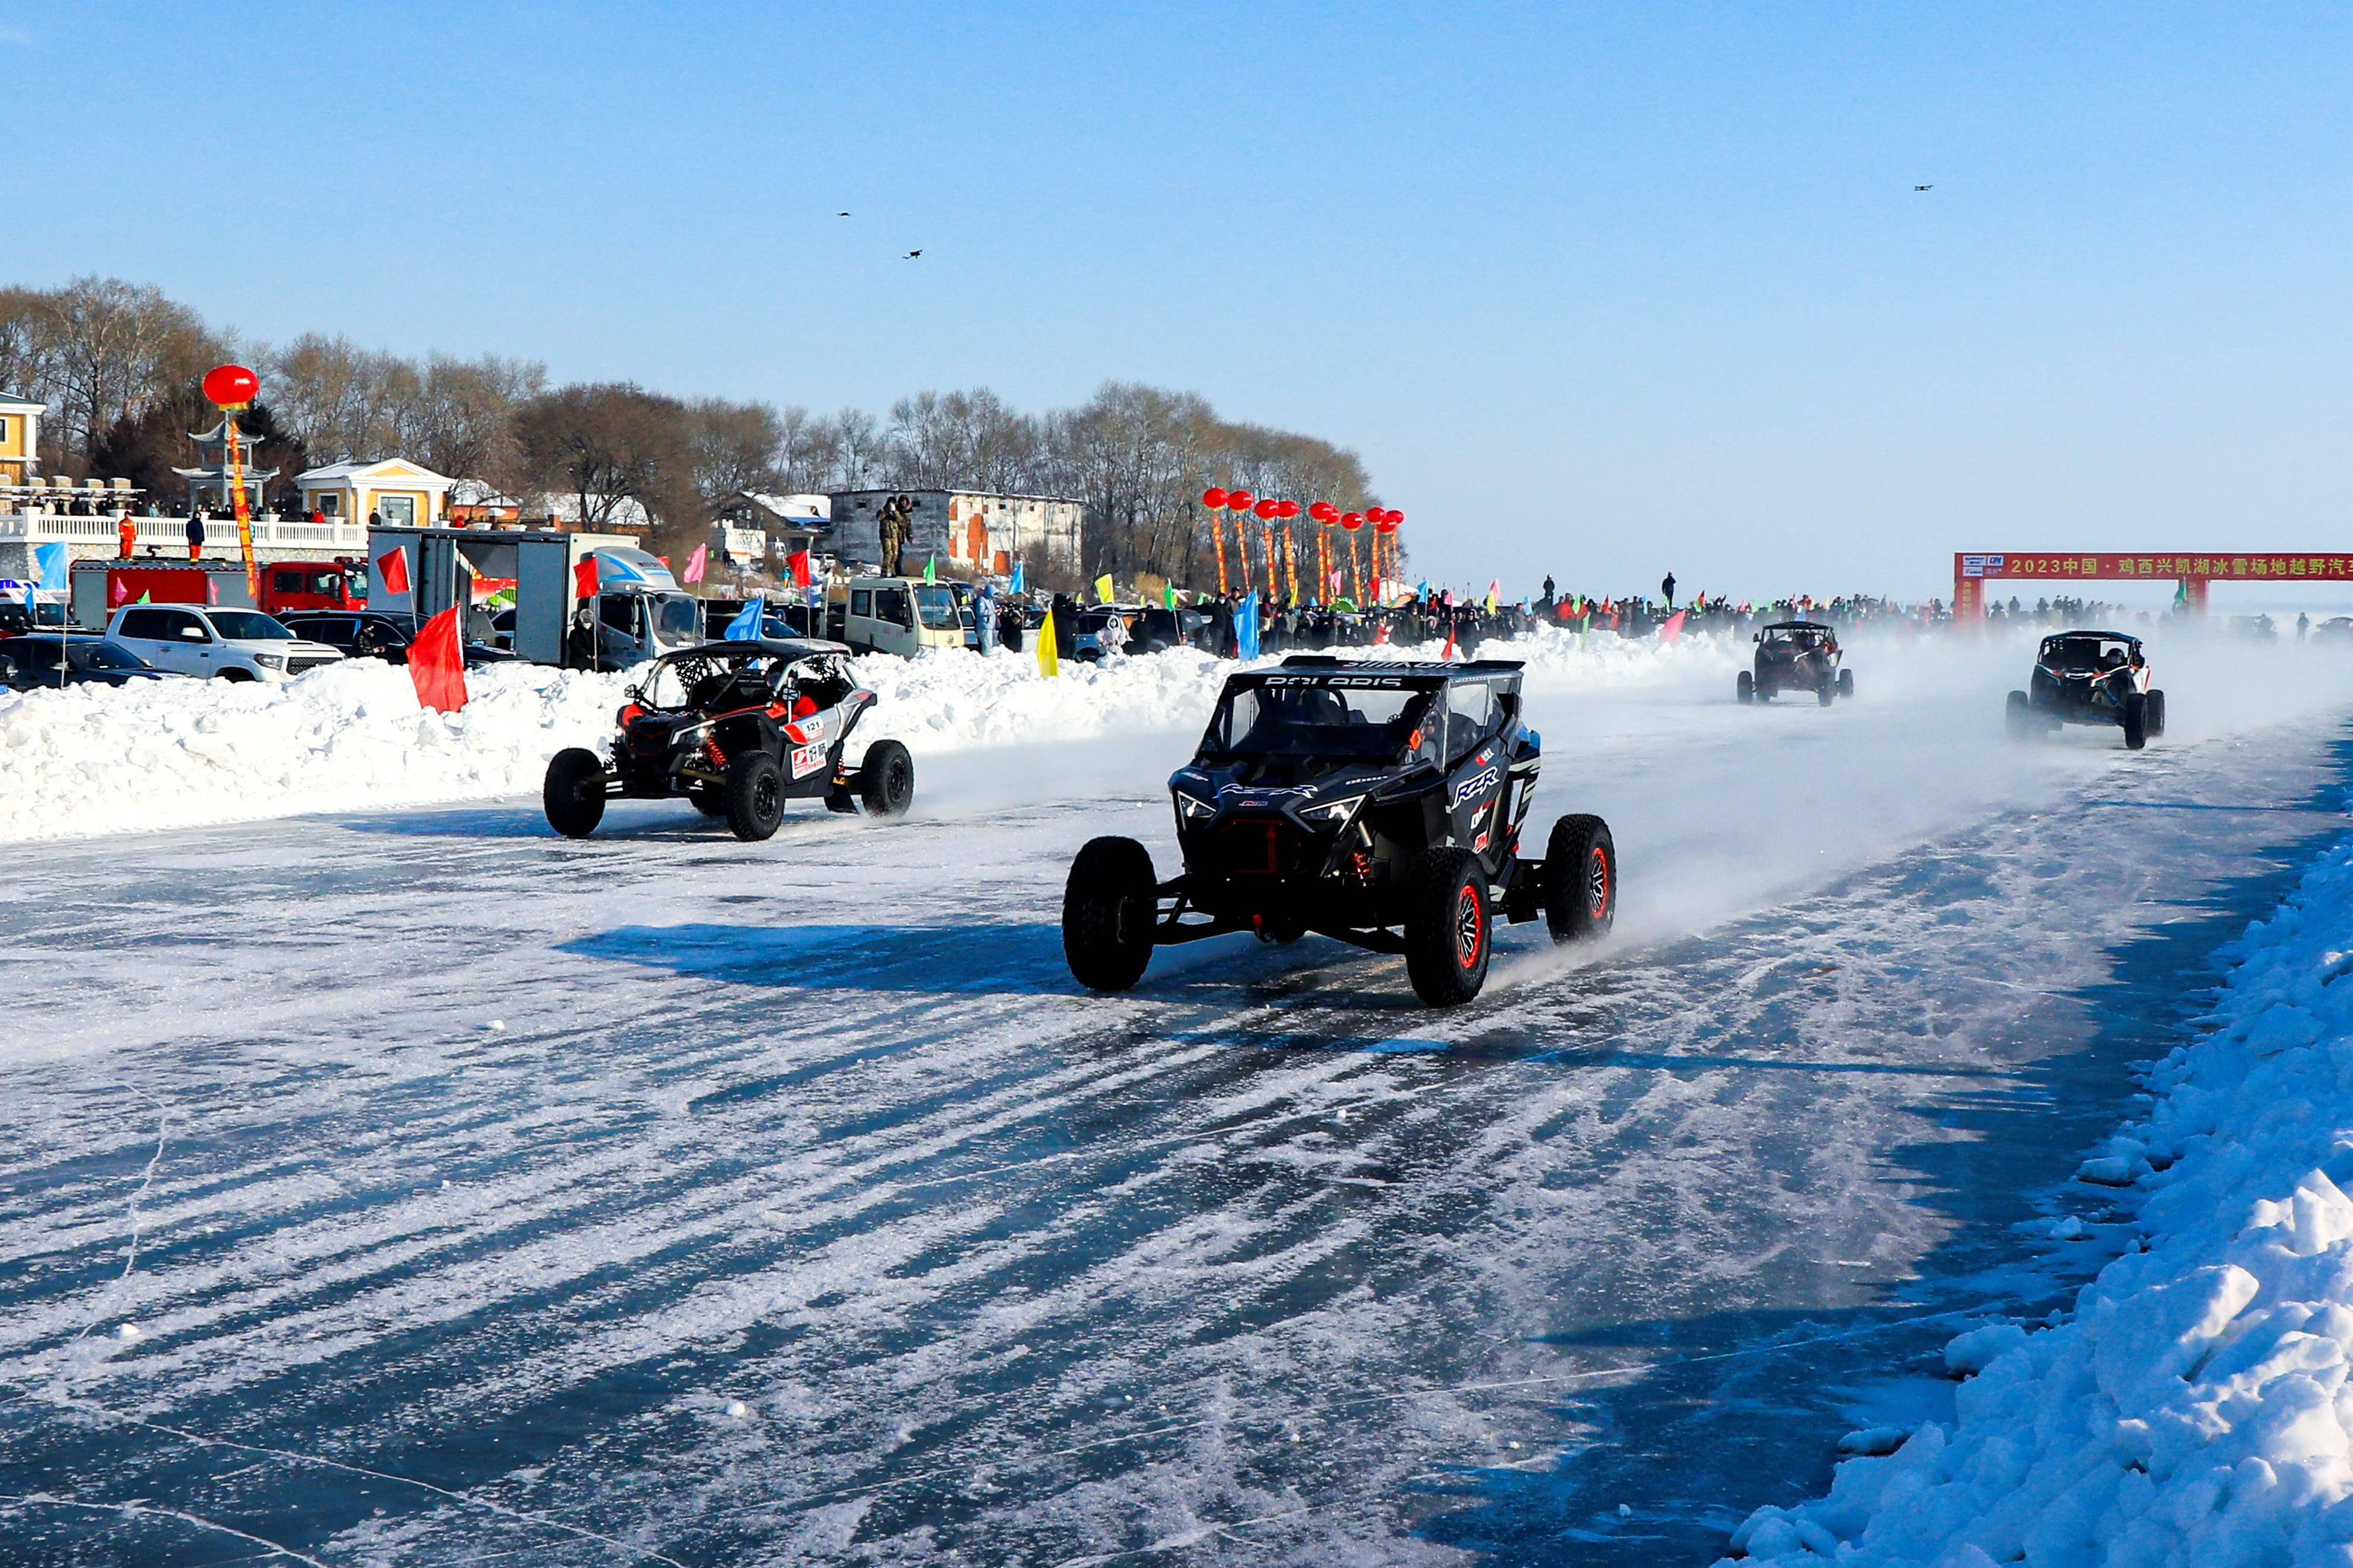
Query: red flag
x=393, y=567
x=798, y=562
x=584, y=577
x=1673, y=627
x=1450, y=641
x=438, y=665
x=696, y=562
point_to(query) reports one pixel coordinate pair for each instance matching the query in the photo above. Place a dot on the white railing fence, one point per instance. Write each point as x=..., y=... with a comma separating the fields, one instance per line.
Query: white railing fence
x=170, y=534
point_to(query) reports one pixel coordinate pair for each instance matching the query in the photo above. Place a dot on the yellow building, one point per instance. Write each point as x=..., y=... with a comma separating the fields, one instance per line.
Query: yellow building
x=395, y=492
x=20, y=438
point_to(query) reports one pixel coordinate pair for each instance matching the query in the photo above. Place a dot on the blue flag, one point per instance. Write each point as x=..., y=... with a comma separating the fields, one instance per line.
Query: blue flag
x=1017, y=576
x=1246, y=627
x=746, y=626
x=53, y=563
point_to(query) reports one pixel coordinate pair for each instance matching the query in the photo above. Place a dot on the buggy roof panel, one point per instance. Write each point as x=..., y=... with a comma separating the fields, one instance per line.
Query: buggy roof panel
x=2090, y=636
x=771, y=647
x=1797, y=626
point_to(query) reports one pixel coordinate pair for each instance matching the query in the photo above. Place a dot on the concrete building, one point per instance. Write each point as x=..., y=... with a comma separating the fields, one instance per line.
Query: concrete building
x=968, y=532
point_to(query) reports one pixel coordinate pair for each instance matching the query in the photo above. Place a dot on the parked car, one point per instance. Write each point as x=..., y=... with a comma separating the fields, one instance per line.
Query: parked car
x=77, y=659
x=227, y=645
x=1086, y=633
x=377, y=634
x=893, y=615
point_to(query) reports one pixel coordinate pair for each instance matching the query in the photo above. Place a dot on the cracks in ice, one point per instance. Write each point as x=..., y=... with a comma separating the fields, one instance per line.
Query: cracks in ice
x=137, y=1223
x=521, y=1516
x=149, y=1510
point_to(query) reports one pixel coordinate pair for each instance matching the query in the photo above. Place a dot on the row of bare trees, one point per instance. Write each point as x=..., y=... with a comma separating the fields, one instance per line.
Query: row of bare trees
x=119, y=364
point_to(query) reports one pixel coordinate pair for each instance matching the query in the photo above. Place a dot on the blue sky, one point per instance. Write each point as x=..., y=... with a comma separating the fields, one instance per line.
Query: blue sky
x=1595, y=289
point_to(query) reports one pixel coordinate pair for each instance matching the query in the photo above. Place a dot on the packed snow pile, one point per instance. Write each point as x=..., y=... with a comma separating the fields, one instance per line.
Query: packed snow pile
x=2194, y=1409
x=180, y=753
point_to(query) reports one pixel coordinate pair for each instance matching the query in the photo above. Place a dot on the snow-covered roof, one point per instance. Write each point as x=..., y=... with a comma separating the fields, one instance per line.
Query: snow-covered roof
x=806, y=509
x=382, y=468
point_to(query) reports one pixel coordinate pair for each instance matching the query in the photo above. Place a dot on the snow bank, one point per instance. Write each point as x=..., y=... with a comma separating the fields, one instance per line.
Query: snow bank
x=2194, y=1410
x=182, y=753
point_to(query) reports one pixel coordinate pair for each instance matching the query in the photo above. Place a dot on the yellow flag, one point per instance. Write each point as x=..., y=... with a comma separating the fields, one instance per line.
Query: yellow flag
x=1103, y=589
x=1049, y=662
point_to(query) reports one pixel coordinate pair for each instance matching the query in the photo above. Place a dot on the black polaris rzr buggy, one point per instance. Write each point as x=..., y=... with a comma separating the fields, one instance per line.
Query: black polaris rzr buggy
x=1795, y=656
x=1379, y=803
x=2089, y=677
x=738, y=728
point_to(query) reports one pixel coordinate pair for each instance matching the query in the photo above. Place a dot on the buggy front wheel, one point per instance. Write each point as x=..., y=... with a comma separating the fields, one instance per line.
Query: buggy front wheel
x=574, y=793
x=886, y=780
x=1744, y=687
x=756, y=797
x=1110, y=903
x=1846, y=683
x=1446, y=927
x=2017, y=717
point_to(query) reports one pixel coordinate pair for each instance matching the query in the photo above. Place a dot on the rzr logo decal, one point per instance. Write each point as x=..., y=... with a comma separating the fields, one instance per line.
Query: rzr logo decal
x=806, y=760
x=1477, y=784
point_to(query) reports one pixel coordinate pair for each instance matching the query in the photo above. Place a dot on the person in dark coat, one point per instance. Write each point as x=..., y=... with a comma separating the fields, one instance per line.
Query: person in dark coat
x=1066, y=625
x=196, y=533
x=1667, y=589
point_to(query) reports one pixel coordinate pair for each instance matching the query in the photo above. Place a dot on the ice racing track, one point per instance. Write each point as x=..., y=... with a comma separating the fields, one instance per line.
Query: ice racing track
x=418, y=1187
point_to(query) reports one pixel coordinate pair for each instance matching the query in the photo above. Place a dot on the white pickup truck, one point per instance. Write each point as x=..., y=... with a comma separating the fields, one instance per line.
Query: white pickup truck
x=231, y=645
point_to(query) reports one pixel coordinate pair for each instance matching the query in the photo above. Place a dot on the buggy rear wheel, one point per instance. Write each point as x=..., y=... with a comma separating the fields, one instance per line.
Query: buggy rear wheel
x=574, y=793
x=2155, y=711
x=1846, y=683
x=709, y=799
x=754, y=797
x=1744, y=687
x=1580, y=878
x=2017, y=717
x=1110, y=903
x=2135, y=720
x=1446, y=927
x=1826, y=693
x=886, y=780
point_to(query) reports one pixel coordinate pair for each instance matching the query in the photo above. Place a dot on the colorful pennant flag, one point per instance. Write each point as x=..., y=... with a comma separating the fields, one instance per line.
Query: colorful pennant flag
x=438, y=665
x=1048, y=661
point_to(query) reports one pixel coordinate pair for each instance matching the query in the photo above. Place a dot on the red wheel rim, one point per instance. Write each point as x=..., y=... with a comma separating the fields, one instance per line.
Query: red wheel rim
x=1596, y=884
x=1470, y=931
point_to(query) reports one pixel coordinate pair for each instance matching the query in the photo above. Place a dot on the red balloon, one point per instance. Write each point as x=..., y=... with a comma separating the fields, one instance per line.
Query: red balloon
x=1213, y=498
x=1352, y=521
x=230, y=385
x=1322, y=511
x=1385, y=523
x=1290, y=510
x=1396, y=518
x=1268, y=510
x=1239, y=500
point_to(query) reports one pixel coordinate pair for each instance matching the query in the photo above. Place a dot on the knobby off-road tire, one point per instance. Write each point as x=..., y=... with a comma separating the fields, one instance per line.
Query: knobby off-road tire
x=1745, y=686
x=1447, y=929
x=709, y=799
x=573, y=794
x=1580, y=880
x=2135, y=720
x=886, y=782
x=1110, y=903
x=754, y=797
x=2156, y=715
x=2018, y=717
x=1846, y=683
x=1827, y=692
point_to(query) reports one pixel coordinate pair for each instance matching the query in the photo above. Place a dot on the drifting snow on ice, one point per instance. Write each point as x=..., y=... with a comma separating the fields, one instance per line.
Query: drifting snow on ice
x=2195, y=1410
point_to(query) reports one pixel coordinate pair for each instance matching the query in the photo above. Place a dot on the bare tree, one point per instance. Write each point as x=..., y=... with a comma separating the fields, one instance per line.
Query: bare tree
x=609, y=444
x=106, y=349
x=736, y=447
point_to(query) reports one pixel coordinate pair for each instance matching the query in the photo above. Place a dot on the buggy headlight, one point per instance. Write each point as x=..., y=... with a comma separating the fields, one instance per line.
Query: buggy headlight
x=1334, y=812
x=1193, y=808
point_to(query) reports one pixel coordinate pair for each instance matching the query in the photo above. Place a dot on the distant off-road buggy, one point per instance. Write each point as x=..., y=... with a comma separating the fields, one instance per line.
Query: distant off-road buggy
x=2089, y=677
x=738, y=728
x=1795, y=656
x=1378, y=803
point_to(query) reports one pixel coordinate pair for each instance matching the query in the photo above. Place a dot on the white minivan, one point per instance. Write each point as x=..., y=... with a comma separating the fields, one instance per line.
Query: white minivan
x=894, y=615
x=203, y=640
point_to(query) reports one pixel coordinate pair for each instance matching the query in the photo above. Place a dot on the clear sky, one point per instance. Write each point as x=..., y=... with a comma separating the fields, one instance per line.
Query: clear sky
x=1599, y=290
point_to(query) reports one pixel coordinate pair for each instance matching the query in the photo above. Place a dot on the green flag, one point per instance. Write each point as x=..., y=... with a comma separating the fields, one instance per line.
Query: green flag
x=146, y=598
x=931, y=573
x=1169, y=595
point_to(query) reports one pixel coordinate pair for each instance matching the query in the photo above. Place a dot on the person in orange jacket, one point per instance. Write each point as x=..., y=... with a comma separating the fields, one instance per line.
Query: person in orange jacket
x=127, y=532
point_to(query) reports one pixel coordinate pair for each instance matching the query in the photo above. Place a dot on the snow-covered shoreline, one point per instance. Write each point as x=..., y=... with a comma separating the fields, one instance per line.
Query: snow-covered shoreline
x=2194, y=1408
x=187, y=753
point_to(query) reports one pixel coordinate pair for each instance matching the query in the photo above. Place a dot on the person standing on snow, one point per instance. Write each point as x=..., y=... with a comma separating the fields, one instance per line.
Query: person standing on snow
x=196, y=533
x=1667, y=589
x=984, y=619
x=1112, y=638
